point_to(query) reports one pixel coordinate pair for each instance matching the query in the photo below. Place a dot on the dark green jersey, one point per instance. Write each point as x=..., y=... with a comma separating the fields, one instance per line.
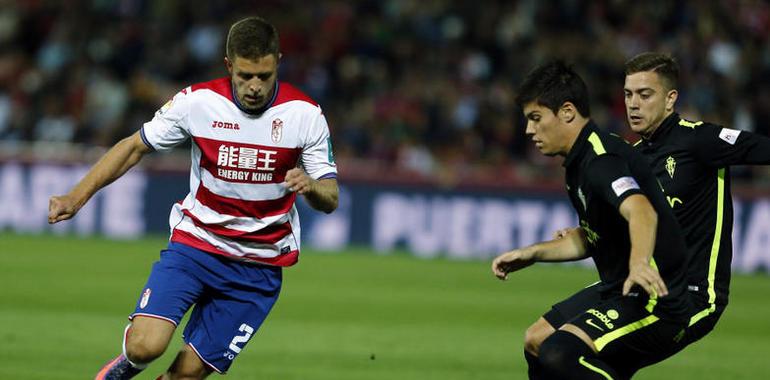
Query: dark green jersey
x=692, y=162
x=602, y=171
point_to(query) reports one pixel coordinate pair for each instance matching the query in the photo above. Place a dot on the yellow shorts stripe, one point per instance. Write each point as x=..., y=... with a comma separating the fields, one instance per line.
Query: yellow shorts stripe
x=627, y=329
x=702, y=314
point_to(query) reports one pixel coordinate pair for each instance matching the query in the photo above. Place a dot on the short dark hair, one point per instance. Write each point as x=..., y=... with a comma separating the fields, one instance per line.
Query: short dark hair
x=660, y=63
x=252, y=38
x=551, y=85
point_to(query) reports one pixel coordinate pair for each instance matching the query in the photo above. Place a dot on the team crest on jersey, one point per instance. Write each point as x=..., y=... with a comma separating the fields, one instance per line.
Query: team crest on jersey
x=145, y=298
x=670, y=166
x=277, y=131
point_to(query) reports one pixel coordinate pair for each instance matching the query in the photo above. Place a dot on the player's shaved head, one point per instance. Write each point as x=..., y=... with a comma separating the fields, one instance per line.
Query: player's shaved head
x=662, y=64
x=252, y=38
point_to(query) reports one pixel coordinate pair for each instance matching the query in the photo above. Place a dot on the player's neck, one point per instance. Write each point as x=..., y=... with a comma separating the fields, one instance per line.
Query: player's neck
x=651, y=131
x=572, y=133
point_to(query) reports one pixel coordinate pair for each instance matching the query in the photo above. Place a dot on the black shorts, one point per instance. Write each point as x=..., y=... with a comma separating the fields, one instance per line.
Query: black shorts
x=576, y=304
x=703, y=321
x=627, y=336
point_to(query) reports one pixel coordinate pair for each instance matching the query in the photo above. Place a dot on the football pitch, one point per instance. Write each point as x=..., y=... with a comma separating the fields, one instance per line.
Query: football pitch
x=354, y=315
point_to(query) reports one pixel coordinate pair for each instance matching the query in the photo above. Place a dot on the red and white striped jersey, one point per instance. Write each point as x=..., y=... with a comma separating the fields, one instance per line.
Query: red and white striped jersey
x=237, y=205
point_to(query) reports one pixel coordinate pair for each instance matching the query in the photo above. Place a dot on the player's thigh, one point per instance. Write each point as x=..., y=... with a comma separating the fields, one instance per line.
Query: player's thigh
x=536, y=334
x=572, y=306
x=187, y=365
x=626, y=335
x=173, y=286
x=227, y=317
x=702, y=325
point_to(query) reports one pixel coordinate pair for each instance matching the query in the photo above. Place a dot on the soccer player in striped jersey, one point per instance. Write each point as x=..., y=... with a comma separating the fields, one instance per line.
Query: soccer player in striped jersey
x=256, y=143
x=641, y=305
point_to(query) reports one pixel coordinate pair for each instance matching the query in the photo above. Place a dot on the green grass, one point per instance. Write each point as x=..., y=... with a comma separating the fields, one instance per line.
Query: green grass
x=355, y=315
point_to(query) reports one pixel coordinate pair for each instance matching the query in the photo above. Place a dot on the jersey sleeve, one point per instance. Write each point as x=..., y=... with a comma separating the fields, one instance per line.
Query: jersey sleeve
x=169, y=127
x=718, y=146
x=317, y=156
x=611, y=179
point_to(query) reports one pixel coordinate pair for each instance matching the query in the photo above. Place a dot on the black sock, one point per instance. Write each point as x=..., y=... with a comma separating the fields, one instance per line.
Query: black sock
x=564, y=356
x=533, y=366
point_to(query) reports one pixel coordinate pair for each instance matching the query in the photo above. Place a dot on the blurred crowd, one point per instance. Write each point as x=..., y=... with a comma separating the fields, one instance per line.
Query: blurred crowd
x=416, y=87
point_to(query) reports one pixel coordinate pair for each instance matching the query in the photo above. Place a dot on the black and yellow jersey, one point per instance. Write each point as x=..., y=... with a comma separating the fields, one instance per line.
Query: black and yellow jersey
x=692, y=162
x=602, y=171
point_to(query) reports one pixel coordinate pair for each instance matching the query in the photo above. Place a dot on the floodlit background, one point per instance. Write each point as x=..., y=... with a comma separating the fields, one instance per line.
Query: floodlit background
x=437, y=176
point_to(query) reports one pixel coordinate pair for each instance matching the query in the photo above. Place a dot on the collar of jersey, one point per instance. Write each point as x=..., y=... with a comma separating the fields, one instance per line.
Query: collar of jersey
x=577, y=147
x=665, y=126
x=259, y=111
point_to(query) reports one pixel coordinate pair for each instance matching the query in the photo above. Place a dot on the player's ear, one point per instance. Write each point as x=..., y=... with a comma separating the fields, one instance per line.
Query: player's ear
x=671, y=97
x=229, y=65
x=567, y=112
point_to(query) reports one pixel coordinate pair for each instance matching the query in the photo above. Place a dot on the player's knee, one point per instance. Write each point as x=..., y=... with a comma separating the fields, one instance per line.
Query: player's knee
x=535, y=335
x=142, y=350
x=560, y=352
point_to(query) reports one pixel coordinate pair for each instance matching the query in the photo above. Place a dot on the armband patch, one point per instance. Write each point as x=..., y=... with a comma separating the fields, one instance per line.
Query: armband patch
x=623, y=184
x=729, y=135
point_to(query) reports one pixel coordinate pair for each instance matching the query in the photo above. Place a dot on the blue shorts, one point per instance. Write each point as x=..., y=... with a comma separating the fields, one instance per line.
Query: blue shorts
x=231, y=299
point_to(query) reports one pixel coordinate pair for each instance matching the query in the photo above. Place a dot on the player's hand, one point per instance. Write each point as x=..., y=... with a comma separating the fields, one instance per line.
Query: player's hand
x=643, y=274
x=298, y=181
x=511, y=261
x=61, y=207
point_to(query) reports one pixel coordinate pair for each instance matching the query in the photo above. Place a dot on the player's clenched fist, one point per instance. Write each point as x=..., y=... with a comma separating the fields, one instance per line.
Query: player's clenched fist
x=61, y=208
x=298, y=181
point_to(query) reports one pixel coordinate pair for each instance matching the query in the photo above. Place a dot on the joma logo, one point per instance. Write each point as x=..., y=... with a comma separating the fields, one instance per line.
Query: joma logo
x=225, y=125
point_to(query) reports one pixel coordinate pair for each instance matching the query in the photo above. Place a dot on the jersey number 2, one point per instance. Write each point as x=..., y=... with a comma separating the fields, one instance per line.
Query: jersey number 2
x=247, y=331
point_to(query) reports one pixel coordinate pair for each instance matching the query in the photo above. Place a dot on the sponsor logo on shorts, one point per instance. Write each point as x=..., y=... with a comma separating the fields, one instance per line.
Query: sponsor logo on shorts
x=145, y=298
x=590, y=322
x=606, y=320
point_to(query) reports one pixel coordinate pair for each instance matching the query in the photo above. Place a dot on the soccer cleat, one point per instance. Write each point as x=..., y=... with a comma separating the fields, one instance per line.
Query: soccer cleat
x=118, y=369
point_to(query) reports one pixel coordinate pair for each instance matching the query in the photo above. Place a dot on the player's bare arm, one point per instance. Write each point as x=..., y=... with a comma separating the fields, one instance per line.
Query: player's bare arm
x=572, y=246
x=321, y=194
x=642, y=226
x=564, y=232
x=116, y=162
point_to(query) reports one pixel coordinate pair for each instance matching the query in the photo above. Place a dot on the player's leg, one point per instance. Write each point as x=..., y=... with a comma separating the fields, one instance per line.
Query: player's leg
x=546, y=325
x=533, y=338
x=570, y=354
x=620, y=335
x=187, y=365
x=168, y=294
x=237, y=300
x=148, y=338
x=145, y=340
x=703, y=322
